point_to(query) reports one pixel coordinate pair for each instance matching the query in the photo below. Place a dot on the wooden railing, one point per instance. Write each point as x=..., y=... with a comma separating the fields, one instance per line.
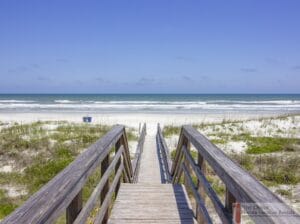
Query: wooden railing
x=166, y=157
x=64, y=192
x=138, y=153
x=242, y=189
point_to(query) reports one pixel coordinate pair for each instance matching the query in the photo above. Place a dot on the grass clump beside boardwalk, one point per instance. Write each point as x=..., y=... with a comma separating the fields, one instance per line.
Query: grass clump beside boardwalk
x=258, y=145
x=37, y=152
x=170, y=130
x=268, y=148
x=272, y=170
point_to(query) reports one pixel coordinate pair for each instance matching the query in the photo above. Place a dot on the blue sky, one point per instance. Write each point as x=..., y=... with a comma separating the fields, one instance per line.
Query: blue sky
x=157, y=46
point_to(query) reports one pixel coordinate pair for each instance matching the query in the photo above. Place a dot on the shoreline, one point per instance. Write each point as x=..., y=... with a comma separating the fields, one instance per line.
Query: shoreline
x=134, y=119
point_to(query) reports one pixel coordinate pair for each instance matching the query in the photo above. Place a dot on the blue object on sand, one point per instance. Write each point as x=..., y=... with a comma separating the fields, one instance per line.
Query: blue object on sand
x=87, y=119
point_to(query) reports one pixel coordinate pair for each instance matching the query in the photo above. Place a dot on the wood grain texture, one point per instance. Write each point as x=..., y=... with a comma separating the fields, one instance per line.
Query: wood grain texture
x=74, y=208
x=166, y=157
x=91, y=203
x=207, y=188
x=201, y=205
x=101, y=216
x=151, y=203
x=242, y=185
x=137, y=157
x=52, y=199
x=149, y=200
x=149, y=169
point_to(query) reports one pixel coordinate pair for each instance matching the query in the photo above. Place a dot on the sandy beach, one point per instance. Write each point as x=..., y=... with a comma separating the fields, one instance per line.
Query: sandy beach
x=133, y=120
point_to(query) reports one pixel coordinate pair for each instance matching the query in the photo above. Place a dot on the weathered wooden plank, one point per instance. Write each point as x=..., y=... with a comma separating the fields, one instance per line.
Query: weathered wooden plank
x=152, y=221
x=106, y=203
x=159, y=203
x=201, y=166
x=138, y=153
x=165, y=152
x=201, y=206
x=74, y=208
x=220, y=209
x=245, y=187
x=105, y=189
x=117, y=148
x=90, y=204
x=52, y=199
x=149, y=169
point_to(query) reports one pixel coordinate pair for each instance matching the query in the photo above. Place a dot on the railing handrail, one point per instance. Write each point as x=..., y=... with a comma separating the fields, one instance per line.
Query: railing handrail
x=241, y=186
x=167, y=161
x=138, y=153
x=64, y=191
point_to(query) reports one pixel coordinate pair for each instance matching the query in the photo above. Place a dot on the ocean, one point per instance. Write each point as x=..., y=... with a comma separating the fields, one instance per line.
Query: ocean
x=151, y=103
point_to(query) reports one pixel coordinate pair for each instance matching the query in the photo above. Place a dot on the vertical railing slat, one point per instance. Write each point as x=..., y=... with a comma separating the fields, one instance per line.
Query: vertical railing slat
x=117, y=147
x=202, y=167
x=186, y=144
x=104, y=166
x=233, y=207
x=74, y=208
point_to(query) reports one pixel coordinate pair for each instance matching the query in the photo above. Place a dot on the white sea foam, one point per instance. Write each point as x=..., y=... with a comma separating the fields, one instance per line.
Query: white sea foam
x=17, y=101
x=65, y=101
x=175, y=106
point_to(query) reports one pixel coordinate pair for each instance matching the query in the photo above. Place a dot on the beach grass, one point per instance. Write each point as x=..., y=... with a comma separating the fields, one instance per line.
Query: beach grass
x=271, y=152
x=271, y=169
x=38, y=151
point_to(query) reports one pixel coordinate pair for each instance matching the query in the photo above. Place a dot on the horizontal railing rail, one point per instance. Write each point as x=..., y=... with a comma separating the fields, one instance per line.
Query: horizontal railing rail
x=64, y=192
x=138, y=153
x=166, y=157
x=242, y=189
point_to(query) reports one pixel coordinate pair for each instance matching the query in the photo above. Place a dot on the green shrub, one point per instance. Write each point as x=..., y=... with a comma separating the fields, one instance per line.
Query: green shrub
x=257, y=145
x=171, y=130
x=284, y=192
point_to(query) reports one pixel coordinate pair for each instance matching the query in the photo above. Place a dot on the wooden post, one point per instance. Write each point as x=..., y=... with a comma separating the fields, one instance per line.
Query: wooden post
x=233, y=207
x=74, y=208
x=117, y=146
x=104, y=166
x=201, y=190
x=187, y=144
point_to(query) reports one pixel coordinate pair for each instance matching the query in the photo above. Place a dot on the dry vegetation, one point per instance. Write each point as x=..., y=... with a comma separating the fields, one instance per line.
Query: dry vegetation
x=32, y=154
x=268, y=148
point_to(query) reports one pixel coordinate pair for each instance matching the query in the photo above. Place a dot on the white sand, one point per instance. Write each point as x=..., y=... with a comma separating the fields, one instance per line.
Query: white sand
x=13, y=191
x=6, y=168
x=128, y=119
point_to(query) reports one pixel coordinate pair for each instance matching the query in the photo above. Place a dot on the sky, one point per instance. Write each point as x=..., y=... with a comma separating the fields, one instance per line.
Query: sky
x=150, y=46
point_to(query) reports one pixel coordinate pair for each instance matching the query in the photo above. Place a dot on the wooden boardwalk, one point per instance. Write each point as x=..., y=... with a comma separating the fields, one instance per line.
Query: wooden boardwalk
x=147, y=187
x=149, y=200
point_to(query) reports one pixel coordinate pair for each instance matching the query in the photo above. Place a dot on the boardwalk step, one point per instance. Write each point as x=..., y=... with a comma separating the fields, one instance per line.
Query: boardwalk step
x=151, y=203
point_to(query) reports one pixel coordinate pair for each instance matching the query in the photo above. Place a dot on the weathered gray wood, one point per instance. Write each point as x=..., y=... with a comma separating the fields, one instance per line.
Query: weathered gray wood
x=53, y=199
x=105, y=189
x=90, y=204
x=151, y=203
x=165, y=153
x=201, y=206
x=177, y=171
x=74, y=208
x=187, y=145
x=245, y=187
x=138, y=153
x=219, y=207
x=117, y=147
x=229, y=201
x=176, y=162
x=149, y=169
x=100, y=218
x=127, y=159
x=201, y=190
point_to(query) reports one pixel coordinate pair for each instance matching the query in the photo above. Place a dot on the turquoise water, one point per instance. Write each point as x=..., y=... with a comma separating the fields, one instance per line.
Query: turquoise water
x=149, y=103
